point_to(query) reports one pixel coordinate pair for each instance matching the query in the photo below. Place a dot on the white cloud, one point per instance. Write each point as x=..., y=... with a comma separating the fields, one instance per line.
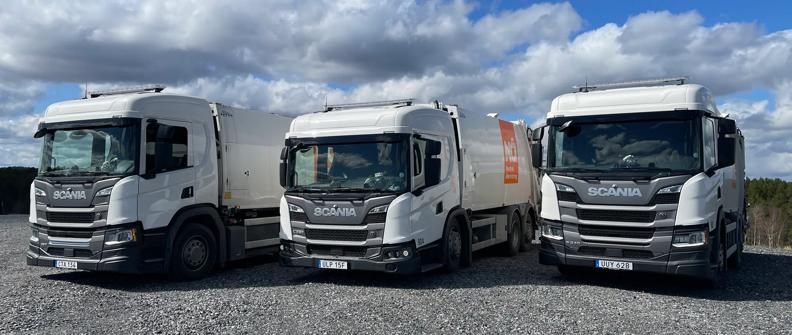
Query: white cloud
x=290, y=57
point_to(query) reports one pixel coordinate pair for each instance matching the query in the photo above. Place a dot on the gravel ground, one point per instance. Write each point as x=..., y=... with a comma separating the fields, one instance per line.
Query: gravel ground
x=495, y=295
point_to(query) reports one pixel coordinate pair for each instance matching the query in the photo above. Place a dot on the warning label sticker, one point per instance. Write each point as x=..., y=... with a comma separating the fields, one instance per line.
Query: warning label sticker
x=511, y=166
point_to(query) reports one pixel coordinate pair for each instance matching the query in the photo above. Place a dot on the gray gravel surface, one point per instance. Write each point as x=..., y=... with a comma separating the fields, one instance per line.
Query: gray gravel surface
x=495, y=295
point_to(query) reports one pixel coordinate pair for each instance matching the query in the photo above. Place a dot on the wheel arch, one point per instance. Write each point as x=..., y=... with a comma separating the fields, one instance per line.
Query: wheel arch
x=461, y=217
x=204, y=214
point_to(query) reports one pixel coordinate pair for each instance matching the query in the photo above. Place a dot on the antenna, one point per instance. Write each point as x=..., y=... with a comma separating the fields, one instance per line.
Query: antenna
x=140, y=89
x=639, y=83
x=394, y=103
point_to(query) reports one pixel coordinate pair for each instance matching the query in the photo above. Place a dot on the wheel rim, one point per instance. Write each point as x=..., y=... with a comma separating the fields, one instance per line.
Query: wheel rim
x=194, y=253
x=454, y=244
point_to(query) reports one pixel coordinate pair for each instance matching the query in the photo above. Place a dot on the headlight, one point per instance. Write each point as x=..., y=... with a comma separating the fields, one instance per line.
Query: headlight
x=552, y=232
x=564, y=188
x=295, y=208
x=379, y=209
x=670, y=189
x=116, y=237
x=40, y=192
x=34, y=236
x=104, y=192
x=689, y=239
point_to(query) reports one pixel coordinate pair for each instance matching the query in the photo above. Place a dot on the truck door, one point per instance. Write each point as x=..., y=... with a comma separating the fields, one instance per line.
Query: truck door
x=167, y=183
x=433, y=197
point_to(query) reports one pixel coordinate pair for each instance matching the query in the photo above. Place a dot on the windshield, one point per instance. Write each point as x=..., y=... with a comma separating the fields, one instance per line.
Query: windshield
x=663, y=145
x=349, y=167
x=92, y=151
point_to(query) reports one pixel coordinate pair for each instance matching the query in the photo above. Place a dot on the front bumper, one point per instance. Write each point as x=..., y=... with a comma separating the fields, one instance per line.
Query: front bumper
x=142, y=256
x=689, y=263
x=297, y=255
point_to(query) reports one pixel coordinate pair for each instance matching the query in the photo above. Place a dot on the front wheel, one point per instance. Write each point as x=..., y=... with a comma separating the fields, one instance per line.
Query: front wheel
x=718, y=272
x=528, y=235
x=452, y=246
x=194, y=253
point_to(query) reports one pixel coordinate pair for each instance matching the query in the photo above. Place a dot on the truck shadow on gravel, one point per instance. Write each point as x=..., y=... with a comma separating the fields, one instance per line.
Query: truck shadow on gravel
x=763, y=277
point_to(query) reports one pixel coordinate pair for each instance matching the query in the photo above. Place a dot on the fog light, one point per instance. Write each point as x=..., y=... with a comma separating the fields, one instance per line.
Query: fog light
x=297, y=231
x=691, y=239
x=34, y=235
x=552, y=232
x=121, y=236
x=282, y=247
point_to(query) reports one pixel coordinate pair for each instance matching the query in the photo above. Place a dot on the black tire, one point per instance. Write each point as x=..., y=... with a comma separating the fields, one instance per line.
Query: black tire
x=452, y=246
x=718, y=273
x=528, y=234
x=514, y=237
x=735, y=261
x=194, y=253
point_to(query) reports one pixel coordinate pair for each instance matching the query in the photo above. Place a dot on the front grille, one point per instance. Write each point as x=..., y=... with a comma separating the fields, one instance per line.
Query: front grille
x=70, y=233
x=617, y=216
x=666, y=198
x=326, y=250
x=640, y=254
x=568, y=196
x=68, y=217
x=376, y=218
x=81, y=253
x=336, y=234
x=592, y=251
x=56, y=251
x=623, y=232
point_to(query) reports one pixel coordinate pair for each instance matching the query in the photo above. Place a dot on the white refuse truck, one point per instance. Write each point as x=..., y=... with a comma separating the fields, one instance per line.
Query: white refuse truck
x=642, y=176
x=403, y=188
x=140, y=181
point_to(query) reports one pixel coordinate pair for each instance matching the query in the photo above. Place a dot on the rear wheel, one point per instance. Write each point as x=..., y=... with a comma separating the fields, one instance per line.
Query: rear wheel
x=514, y=238
x=194, y=253
x=452, y=246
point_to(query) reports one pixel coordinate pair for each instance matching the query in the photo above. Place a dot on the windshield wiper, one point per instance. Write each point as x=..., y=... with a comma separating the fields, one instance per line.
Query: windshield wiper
x=303, y=189
x=351, y=189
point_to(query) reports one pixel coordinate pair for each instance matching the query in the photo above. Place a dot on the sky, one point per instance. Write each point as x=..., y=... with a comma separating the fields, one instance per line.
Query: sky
x=289, y=57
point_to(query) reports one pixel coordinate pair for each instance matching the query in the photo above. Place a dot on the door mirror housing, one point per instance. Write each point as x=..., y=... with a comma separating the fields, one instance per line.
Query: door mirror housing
x=283, y=167
x=536, y=154
x=538, y=134
x=727, y=142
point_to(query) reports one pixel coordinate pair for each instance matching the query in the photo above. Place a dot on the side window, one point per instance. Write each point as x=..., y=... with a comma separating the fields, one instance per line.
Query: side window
x=709, y=143
x=166, y=148
x=418, y=149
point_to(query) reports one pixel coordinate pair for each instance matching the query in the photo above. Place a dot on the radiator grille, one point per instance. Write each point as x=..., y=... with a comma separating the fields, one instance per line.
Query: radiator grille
x=568, y=196
x=622, y=232
x=67, y=217
x=376, y=218
x=617, y=216
x=326, y=250
x=336, y=234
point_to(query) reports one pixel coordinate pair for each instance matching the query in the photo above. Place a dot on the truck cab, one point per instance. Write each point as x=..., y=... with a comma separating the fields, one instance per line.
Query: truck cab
x=642, y=176
x=141, y=181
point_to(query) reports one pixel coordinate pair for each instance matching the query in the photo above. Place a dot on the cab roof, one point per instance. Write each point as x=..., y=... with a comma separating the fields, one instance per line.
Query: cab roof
x=123, y=105
x=634, y=100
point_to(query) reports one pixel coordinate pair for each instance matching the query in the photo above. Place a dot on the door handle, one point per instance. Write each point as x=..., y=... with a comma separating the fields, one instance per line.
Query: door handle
x=187, y=192
x=439, y=208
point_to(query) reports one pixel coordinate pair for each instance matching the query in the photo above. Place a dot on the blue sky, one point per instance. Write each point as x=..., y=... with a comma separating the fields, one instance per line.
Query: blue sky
x=510, y=57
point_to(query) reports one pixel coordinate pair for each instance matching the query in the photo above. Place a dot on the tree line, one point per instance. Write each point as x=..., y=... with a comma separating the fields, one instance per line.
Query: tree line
x=770, y=212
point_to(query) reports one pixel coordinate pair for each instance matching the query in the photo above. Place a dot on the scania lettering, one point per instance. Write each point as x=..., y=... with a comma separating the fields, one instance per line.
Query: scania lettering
x=642, y=176
x=141, y=181
x=404, y=188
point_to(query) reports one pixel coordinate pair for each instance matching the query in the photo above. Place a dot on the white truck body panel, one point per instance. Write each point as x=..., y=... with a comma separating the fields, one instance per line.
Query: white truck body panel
x=250, y=141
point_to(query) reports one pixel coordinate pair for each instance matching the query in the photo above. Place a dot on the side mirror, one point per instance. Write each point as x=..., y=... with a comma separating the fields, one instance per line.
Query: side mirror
x=726, y=151
x=537, y=134
x=536, y=154
x=283, y=168
x=727, y=126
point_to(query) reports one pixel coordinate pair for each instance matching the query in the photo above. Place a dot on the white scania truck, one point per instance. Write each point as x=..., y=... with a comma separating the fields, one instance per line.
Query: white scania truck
x=642, y=176
x=141, y=181
x=403, y=188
